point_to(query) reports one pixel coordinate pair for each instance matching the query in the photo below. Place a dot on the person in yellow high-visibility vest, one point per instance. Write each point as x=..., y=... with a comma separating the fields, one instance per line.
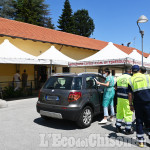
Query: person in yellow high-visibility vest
x=139, y=90
x=123, y=108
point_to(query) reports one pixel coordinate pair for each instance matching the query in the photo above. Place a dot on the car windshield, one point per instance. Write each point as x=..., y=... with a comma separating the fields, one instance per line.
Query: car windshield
x=59, y=83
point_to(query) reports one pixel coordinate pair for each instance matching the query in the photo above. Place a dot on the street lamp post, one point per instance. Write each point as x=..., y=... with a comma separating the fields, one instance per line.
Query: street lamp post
x=142, y=19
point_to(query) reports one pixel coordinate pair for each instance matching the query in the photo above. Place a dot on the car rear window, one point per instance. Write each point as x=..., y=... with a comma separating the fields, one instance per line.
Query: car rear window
x=59, y=83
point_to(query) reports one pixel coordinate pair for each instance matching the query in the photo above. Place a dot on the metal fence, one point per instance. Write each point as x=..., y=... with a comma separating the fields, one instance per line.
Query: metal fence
x=10, y=89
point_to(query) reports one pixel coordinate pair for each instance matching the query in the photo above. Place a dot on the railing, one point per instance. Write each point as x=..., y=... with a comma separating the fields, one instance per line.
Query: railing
x=10, y=89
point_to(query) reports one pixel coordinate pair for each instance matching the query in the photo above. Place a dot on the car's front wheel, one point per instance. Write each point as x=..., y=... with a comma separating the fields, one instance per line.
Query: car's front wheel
x=86, y=117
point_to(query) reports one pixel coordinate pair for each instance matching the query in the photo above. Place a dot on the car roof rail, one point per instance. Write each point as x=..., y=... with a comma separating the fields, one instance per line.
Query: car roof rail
x=90, y=73
x=64, y=74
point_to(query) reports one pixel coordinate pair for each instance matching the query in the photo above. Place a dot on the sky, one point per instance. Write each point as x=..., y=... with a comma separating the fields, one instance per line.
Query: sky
x=115, y=20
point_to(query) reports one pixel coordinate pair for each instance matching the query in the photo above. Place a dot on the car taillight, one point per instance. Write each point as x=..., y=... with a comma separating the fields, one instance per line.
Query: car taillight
x=74, y=96
x=39, y=95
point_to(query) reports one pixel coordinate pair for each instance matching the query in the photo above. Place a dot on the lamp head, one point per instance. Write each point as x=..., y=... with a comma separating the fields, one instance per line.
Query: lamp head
x=142, y=19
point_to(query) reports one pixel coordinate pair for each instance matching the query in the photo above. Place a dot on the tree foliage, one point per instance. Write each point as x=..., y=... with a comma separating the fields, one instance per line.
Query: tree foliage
x=83, y=23
x=7, y=9
x=65, y=21
x=30, y=11
x=79, y=23
x=34, y=12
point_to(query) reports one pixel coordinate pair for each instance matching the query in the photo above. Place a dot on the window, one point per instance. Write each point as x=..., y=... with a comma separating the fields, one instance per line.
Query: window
x=77, y=84
x=66, y=69
x=59, y=83
x=90, y=82
x=100, y=79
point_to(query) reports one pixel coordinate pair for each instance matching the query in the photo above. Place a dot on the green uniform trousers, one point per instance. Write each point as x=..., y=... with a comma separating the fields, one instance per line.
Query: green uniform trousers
x=123, y=110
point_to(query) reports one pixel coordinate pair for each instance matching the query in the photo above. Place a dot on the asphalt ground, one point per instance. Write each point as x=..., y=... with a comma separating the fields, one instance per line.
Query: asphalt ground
x=22, y=128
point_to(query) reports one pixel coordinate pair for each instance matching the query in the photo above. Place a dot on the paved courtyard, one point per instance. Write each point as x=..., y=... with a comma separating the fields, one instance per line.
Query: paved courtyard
x=21, y=128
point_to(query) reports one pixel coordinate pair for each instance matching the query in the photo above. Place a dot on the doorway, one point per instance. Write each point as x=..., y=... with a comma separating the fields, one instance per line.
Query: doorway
x=40, y=75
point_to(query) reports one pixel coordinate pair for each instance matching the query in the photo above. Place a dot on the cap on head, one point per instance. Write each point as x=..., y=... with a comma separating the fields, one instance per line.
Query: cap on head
x=135, y=68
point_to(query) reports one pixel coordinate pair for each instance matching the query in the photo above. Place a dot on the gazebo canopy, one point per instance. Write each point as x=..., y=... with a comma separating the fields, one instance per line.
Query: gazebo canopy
x=135, y=55
x=13, y=55
x=148, y=59
x=54, y=56
x=107, y=53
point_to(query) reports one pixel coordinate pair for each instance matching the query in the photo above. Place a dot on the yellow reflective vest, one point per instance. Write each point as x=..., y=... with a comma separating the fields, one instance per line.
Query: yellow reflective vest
x=122, y=86
x=140, y=85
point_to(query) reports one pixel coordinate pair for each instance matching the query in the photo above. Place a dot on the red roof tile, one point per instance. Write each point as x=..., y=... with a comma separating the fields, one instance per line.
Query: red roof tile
x=129, y=50
x=28, y=31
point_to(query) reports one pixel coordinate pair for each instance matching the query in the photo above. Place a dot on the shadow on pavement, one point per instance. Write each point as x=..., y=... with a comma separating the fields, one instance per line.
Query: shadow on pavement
x=57, y=124
x=124, y=139
x=148, y=144
x=109, y=127
x=62, y=124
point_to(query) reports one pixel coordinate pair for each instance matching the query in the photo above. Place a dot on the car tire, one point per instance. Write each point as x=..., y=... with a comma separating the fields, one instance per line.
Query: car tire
x=86, y=117
x=45, y=117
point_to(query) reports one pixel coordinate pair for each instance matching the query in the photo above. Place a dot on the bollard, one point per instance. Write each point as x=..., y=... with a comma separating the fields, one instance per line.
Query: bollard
x=3, y=104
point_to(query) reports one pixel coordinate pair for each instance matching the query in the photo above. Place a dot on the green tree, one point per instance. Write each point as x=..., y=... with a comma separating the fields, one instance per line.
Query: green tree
x=83, y=23
x=34, y=12
x=7, y=9
x=48, y=23
x=65, y=21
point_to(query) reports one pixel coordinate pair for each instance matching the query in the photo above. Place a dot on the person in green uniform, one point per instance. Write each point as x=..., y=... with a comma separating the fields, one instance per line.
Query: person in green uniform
x=123, y=108
x=108, y=96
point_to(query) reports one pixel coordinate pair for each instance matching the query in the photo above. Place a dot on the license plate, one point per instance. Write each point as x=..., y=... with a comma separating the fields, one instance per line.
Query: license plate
x=52, y=98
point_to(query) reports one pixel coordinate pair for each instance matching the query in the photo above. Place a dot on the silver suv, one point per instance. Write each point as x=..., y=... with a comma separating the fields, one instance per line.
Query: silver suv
x=74, y=97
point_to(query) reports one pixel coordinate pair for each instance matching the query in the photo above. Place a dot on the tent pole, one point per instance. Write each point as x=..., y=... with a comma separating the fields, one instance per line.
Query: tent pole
x=85, y=69
x=50, y=67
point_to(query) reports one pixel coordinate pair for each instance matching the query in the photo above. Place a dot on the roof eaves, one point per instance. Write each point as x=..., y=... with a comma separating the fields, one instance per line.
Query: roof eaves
x=46, y=42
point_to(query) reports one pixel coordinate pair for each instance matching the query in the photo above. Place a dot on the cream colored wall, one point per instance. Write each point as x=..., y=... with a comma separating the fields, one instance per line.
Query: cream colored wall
x=74, y=52
x=118, y=72
x=80, y=70
x=8, y=70
x=36, y=48
x=33, y=48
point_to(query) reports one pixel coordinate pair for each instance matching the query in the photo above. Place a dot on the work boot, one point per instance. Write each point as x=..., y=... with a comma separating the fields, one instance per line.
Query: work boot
x=118, y=130
x=127, y=132
x=141, y=144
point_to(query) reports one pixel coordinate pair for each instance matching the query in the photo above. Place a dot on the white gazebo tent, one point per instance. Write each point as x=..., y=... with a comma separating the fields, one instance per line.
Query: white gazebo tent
x=136, y=56
x=107, y=53
x=54, y=57
x=9, y=54
x=109, y=56
x=148, y=59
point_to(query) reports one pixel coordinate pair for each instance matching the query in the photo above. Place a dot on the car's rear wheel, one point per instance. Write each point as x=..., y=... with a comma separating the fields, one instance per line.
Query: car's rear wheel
x=85, y=117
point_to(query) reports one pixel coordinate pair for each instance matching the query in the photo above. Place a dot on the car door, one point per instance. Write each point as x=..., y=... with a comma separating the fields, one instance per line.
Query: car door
x=93, y=92
x=100, y=90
